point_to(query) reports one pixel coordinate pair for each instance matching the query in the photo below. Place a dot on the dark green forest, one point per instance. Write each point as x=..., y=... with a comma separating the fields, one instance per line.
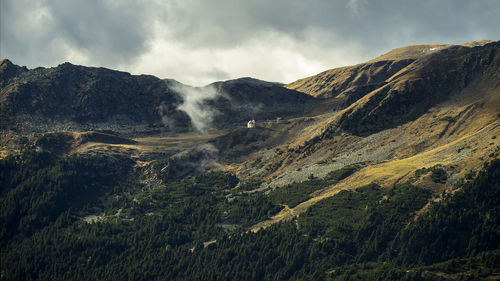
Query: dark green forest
x=197, y=228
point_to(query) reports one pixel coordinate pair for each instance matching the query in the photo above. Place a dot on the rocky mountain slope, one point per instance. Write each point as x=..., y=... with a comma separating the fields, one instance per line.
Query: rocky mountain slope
x=349, y=80
x=244, y=98
x=415, y=123
x=71, y=97
x=401, y=85
x=421, y=85
x=86, y=95
x=387, y=170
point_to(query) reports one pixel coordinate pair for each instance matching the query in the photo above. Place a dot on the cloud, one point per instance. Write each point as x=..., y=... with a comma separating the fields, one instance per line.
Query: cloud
x=355, y=6
x=90, y=32
x=198, y=42
x=271, y=56
x=201, y=116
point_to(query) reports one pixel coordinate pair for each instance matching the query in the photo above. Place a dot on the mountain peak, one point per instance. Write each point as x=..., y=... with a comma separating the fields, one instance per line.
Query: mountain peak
x=8, y=71
x=411, y=52
x=248, y=81
x=5, y=62
x=372, y=172
x=478, y=43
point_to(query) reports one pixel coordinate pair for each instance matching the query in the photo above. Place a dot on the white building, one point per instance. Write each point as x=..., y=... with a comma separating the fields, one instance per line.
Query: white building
x=251, y=123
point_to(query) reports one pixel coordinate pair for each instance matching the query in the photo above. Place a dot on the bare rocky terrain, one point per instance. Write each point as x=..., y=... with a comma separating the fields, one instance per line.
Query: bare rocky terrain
x=150, y=157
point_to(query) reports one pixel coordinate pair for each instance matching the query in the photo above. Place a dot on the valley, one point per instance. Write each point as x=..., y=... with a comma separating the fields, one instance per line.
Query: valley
x=388, y=169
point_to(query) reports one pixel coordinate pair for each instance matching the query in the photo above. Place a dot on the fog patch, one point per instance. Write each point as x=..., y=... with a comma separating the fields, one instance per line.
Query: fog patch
x=187, y=163
x=201, y=114
x=209, y=155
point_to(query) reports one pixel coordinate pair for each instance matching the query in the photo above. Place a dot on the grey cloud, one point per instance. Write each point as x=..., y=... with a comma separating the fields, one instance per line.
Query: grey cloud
x=108, y=32
x=115, y=33
x=376, y=24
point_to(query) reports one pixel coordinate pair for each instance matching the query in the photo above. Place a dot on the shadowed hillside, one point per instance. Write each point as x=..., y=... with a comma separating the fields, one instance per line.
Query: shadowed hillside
x=401, y=85
x=85, y=95
x=71, y=97
x=386, y=170
x=244, y=98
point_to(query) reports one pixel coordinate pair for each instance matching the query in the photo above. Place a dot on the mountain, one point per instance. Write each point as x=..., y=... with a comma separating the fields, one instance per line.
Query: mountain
x=9, y=71
x=75, y=97
x=442, y=110
x=385, y=170
x=346, y=81
x=402, y=85
x=244, y=98
x=81, y=95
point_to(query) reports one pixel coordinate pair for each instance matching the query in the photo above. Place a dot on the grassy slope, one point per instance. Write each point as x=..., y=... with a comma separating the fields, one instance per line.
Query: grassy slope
x=460, y=134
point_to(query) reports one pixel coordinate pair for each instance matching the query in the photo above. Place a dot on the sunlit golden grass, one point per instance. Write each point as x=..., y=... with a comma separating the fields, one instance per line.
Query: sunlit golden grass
x=324, y=83
x=5, y=152
x=415, y=51
x=388, y=173
x=469, y=123
x=153, y=144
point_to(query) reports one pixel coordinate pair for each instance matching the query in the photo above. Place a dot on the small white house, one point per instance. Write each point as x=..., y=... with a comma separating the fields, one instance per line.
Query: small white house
x=251, y=124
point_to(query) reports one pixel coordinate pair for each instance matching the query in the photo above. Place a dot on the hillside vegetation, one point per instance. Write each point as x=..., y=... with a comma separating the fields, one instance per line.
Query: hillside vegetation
x=193, y=230
x=386, y=170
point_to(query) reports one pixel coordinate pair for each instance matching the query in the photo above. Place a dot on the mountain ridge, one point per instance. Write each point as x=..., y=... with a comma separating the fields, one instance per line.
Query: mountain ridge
x=76, y=96
x=385, y=65
x=364, y=105
x=379, y=176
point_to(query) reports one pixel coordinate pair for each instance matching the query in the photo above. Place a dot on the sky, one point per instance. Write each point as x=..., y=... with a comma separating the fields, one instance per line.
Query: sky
x=201, y=41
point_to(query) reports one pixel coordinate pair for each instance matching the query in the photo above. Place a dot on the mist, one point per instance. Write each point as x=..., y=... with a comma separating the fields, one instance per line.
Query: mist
x=201, y=115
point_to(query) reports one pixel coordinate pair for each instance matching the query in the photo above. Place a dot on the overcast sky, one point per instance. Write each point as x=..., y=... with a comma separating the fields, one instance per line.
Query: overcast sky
x=201, y=41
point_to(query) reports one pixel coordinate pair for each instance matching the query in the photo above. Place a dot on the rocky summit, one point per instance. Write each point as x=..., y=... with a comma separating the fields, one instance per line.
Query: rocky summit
x=385, y=170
